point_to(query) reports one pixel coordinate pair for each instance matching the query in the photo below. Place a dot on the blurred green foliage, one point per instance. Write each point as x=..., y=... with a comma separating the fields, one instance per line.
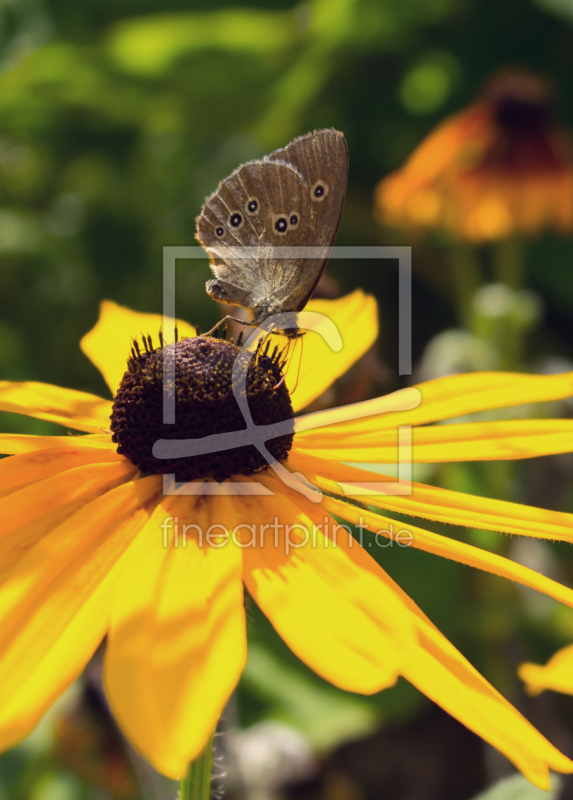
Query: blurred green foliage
x=118, y=118
x=518, y=788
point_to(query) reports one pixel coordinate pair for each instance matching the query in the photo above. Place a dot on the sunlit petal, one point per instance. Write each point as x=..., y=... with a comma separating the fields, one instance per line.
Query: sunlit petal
x=54, y=603
x=177, y=640
x=32, y=512
x=27, y=468
x=316, y=428
x=356, y=318
x=557, y=674
x=329, y=608
x=449, y=397
x=432, y=502
x=17, y=443
x=474, y=441
x=108, y=343
x=410, y=535
x=67, y=407
x=444, y=675
x=440, y=671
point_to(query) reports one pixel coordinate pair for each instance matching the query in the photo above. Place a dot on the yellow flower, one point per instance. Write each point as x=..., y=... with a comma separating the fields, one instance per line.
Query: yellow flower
x=500, y=167
x=82, y=550
x=557, y=674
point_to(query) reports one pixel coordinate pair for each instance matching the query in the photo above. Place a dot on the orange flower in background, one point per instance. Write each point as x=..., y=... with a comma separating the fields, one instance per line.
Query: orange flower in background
x=83, y=552
x=501, y=167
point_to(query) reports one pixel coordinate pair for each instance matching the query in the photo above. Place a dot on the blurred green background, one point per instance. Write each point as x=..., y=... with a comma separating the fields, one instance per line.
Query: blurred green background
x=116, y=120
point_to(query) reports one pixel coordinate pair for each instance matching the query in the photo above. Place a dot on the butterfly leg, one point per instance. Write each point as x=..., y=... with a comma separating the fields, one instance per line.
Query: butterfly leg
x=221, y=321
x=266, y=337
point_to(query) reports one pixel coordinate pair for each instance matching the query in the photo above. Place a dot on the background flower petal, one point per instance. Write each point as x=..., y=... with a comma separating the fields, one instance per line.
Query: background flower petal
x=67, y=407
x=108, y=343
x=177, y=642
x=557, y=674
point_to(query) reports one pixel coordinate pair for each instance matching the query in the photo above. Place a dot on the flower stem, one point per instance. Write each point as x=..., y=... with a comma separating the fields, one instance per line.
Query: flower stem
x=196, y=784
x=466, y=277
x=508, y=262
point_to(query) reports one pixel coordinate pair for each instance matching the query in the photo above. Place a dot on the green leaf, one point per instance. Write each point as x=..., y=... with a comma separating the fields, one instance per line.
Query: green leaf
x=323, y=714
x=519, y=788
x=151, y=45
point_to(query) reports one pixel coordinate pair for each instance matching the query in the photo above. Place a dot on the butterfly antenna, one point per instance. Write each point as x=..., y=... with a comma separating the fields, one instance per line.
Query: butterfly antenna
x=299, y=361
x=287, y=360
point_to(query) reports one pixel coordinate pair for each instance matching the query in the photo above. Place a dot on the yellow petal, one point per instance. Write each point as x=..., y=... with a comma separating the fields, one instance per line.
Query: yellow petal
x=454, y=396
x=177, y=641
x=54, y=603
x=440, y=671
x=17, y=443
x=30, y=513
x=316, y=428
x=61, y=664
x=67, y=407
x=473, y=441
x=356, y=318
x=328, y=604
x=108, y=343
x=22, y=470
x=443, y=505
x=409, y=535
x=557, y=674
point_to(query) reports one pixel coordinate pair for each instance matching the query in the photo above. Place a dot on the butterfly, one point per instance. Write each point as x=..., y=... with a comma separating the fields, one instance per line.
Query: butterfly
x=292, y=198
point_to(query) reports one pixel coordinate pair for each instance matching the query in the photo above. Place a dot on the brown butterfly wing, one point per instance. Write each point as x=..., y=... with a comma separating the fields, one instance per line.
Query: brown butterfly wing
x=249, y=209
x=322, y=157
x=270, y=203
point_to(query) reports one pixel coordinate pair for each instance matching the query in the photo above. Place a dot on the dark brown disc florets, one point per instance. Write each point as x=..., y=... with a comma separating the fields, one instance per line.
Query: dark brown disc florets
x=204, y=404
x=522, y=103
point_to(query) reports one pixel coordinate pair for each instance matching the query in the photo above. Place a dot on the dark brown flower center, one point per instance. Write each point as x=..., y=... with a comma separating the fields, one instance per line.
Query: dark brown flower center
x=521, y=102
x=527, y=140
x=204, y=391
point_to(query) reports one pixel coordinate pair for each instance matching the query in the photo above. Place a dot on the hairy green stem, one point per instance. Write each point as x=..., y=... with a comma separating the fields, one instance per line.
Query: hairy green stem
x=196, y=784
